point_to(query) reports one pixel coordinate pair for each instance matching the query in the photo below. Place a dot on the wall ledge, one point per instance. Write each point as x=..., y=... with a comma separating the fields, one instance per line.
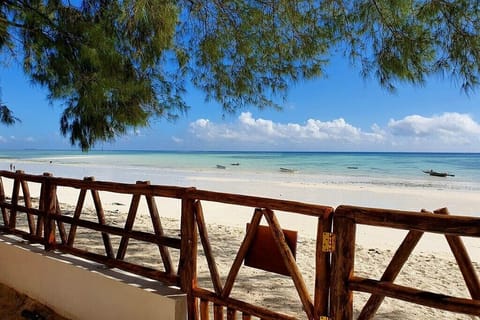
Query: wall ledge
x=79, y=289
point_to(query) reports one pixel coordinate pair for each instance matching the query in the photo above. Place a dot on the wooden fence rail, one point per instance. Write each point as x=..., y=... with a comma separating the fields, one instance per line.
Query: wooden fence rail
x=49, y=223
x=52, y=226
x=344, y=281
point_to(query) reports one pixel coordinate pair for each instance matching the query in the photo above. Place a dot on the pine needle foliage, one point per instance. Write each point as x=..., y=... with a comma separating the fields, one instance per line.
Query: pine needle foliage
x=116, y=65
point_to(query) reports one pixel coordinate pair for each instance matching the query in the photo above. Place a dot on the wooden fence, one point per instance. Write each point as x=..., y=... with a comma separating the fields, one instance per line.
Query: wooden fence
x=51, y=224
x=344, y=281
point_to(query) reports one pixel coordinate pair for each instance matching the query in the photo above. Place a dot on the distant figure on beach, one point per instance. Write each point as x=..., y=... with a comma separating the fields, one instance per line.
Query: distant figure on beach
x=11, y=166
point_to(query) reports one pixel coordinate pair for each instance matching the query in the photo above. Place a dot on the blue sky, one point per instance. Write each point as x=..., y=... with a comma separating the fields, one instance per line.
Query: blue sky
x=341, y=112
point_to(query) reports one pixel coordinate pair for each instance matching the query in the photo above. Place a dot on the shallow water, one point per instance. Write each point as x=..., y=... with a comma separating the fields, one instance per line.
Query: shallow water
x=377, y=169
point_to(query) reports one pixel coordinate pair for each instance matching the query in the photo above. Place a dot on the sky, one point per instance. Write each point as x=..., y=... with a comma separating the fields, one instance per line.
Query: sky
x=341, y=112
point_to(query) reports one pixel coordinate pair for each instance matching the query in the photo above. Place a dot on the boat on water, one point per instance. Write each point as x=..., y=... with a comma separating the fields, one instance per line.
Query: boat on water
x=438, y=174
x=235, y=164
x=219, y=166
x=287, y=170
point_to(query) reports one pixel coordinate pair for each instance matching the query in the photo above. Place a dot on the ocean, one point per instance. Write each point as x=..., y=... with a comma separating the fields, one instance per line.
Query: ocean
x=170, y=168
x=367, y=179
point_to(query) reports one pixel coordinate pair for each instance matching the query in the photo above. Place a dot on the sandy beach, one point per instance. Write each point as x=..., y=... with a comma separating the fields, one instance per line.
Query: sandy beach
x=432, y=267
x=17, y=306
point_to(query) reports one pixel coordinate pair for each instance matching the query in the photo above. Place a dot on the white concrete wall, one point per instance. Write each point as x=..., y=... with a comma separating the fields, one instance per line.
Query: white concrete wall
x=82, y=290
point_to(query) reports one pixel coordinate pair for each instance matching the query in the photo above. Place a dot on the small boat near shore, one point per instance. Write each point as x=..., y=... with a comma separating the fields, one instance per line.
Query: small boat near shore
x=219, y=166
x=287, y=170
x=438, y=174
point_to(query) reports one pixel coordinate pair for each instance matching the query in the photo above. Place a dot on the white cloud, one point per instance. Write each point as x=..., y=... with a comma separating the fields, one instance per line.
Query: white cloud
x=446, y=132
x=261, y=132
x=447, y=123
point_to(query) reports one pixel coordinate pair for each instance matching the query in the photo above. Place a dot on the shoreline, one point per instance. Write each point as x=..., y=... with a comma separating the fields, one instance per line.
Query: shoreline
x=288, y=187
x=388, y=197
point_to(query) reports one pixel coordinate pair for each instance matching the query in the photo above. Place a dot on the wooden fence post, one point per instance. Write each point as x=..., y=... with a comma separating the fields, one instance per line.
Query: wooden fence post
x=50, y=198
x=15, y=195
x=187, y=267
x=28, y=203
x=341, y=297
x=322, y=268
x=2, y=200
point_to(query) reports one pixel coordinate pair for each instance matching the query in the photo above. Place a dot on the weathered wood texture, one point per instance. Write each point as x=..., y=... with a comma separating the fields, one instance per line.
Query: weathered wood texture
x=50, y=191
x=158, y=229
x=259, y=202
x=187, y=266
x=441, y=224
x=393, y=269
x=242, y=251
x=344, y=282
x=335, y=281
x=217, y=312
x=221, y=299
x=290, y=263
x=391, y=273
x=60, y=225
x=463, y=260
x=322, y=269
x=247, y=309
x=430, y=299
x=49, y=216
x=207, y=248
x=341, y=297
x=15, y=196
x=3, y=200
x=204, y=309
x=28, y=203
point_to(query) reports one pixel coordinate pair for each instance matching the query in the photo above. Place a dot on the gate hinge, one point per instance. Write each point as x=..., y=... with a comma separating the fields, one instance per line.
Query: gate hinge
x=328, y=244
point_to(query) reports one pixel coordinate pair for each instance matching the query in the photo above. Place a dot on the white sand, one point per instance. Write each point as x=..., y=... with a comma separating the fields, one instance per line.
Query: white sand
x=430, y=268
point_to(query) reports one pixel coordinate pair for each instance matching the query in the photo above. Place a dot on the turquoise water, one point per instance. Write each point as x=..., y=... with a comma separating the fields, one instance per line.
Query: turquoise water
x=388, y=169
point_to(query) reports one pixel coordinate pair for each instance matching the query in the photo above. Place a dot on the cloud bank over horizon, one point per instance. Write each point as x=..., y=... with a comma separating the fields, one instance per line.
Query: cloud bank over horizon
x=447, y=132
